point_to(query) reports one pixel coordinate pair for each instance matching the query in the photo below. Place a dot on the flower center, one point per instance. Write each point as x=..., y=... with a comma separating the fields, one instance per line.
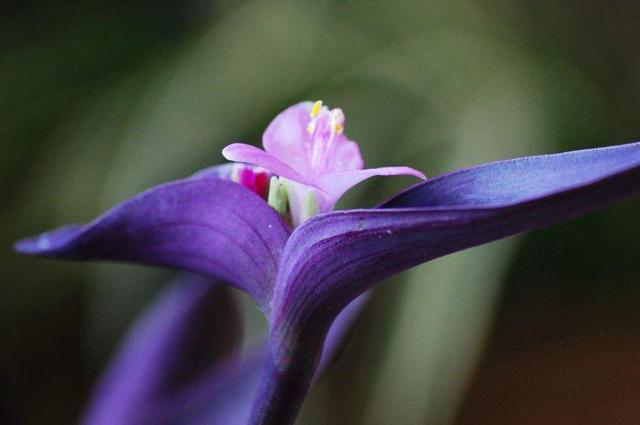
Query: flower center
x=313, y=160
x=324, y=127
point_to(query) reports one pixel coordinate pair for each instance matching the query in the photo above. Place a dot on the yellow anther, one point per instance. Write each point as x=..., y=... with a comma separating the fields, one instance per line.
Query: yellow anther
x=316, y=109
x=337, y=120
x=311, y=127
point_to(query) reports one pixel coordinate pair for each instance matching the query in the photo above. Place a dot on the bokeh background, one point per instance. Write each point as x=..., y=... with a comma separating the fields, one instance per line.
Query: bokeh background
x=102, y=99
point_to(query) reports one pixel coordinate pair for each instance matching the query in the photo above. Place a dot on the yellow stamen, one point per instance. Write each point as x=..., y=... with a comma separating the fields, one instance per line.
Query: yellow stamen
x=311, y=127
x=339, y=128
x=316, y=108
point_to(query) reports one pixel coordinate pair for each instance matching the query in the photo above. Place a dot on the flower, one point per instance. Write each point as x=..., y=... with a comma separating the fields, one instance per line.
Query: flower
x=180, y=362
x=306, y=147
x=302, y=278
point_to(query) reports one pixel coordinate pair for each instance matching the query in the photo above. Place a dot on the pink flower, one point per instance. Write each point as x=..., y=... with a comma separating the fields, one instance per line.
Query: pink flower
x=306, y=147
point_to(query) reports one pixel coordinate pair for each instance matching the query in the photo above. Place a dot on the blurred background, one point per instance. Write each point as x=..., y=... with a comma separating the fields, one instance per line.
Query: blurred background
x=102, y=99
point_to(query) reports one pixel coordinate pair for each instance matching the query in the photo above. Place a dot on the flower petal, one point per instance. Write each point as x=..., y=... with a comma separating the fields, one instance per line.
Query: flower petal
x=346, y=156
x=284, y=137
x=332, y=258
x=209, y=226
x=170, y=343
x=337, y=184
x=240, y=152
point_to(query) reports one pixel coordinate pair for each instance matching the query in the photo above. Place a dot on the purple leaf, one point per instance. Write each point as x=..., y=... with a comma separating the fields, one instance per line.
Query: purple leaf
x=225, y=396
x=205, y=225
x=175, y=366
x=332, y=258
x=191, y=325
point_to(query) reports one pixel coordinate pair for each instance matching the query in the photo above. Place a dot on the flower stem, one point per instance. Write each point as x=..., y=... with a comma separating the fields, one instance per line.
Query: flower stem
x=284, y=385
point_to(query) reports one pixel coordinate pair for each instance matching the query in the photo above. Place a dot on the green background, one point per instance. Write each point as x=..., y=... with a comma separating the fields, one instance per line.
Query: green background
x=102, y=99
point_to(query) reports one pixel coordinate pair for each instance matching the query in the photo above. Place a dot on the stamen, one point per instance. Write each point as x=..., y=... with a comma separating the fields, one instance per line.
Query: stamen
x=278, y=198
x=337, y=120
x=316, y=109
x=323, y=127
x=311, y=127
x=310, y=207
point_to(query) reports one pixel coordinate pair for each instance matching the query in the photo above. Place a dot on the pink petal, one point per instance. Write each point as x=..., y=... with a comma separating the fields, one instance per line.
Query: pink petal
x=336, y=184
x=240, y=152
x=346, y=156
x=285, y=135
